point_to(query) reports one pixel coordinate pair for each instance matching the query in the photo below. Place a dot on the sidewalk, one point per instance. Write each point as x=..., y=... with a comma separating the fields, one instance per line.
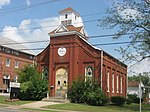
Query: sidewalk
x=34, y=105
x=37, y=105
x=5, y=94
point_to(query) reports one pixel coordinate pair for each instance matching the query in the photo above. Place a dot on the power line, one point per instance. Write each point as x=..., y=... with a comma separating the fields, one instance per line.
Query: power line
x=13, y=10
x=87, y=21
x=20, y=6
x=115, y=43
x=102, y=44
x=57, y=25
x=92, y=14
x=23, y=29
x=39, y=41
x=14, y=43
x=113, y=35
x=42, y=3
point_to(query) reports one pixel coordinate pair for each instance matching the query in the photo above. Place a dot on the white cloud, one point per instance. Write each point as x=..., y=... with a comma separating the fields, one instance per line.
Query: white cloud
x=127, y=12
x=32, y=30
x=143, y=66
x=28, y=2
x=4, y=2
x=130, y=14
x=24, y=26
x=12, y=33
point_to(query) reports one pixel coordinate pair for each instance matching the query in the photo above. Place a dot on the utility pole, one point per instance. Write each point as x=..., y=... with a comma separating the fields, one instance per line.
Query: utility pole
x=140, y=92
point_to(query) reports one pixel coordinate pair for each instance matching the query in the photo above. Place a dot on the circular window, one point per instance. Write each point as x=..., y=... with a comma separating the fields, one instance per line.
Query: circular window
x=62, y=51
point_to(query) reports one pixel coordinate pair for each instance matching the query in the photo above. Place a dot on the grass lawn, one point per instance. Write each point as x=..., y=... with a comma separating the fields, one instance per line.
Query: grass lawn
x=38, y=110
x=3, y=98
x=108, y=108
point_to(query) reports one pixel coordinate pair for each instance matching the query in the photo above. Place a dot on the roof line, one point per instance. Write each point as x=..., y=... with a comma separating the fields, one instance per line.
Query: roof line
x=70, y=9
x=80, y=36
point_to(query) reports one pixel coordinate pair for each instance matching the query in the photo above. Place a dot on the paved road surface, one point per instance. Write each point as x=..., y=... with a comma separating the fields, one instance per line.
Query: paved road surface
x=11, y=110
x=34, y=105
x=37, y=104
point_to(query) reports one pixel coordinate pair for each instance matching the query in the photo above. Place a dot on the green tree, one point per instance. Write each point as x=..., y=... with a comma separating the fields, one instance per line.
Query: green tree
x=132, y=19
x=33, y=87
x=133, y=78
x=145, y=78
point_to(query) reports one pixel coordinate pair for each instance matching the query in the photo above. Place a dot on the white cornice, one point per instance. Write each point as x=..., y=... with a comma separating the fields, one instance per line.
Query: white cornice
x=62, y=12
x=65, y=33
x=72, y=33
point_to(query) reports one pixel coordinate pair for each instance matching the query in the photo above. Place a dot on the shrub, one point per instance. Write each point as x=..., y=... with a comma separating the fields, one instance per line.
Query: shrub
x=118, y=100
x=137, y=100
x=134, y=98
x=86, y=92
x=96, y=98
x=129, y=101
x=78, y=91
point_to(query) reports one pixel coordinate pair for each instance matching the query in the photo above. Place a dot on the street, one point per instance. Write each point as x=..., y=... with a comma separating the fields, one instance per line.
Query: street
x=4, y=109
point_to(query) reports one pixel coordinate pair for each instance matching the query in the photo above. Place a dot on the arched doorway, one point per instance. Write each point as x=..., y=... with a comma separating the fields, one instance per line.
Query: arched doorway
x=61, y=83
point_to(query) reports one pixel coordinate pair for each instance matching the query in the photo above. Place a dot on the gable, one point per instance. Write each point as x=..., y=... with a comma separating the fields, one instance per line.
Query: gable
x=44, y=55
x=82, y=31
x=61, y=28
x=87, y=55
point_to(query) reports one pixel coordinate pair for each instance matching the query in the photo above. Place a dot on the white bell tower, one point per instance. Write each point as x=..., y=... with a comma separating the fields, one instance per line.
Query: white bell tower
x=69, y=16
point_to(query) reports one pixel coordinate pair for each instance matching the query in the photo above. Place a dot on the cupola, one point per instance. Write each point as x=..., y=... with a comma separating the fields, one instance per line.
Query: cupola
x=69, y=21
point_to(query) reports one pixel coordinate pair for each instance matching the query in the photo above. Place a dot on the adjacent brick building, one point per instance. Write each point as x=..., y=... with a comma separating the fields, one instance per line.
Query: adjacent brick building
x=70, y=56
x=12, y=59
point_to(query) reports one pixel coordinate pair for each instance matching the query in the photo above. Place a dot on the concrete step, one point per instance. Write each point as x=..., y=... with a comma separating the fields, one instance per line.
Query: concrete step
x=56, y=99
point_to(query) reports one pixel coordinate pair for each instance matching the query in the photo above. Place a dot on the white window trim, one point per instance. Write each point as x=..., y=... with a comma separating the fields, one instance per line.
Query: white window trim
x=120, y=84
x=16, y=64
x=117, y=84
x=86, y=74
x=16, y=78
x=8, y=64
x=108, y=76
x=113, y=83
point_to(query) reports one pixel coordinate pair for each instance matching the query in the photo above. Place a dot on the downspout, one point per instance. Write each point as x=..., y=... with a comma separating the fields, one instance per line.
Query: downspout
x=126, y=85
x=101, y=67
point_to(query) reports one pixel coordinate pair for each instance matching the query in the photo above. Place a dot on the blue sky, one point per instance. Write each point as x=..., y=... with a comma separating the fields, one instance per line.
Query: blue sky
x=12, y=20
x=29, y=17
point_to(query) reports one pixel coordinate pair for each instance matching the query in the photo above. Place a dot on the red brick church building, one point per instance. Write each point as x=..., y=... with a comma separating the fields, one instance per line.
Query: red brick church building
x=70, y=56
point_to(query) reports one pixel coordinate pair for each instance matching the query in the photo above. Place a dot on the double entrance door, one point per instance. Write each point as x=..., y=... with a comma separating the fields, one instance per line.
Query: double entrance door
x=61, y=82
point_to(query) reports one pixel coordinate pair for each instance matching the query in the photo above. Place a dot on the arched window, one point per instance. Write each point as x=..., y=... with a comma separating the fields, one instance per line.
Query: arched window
x=66, y=16
x=108, y=81
x=113, y=82
x=88, y=73
x=117, y=84
x=45, y=73
x=120, y=84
